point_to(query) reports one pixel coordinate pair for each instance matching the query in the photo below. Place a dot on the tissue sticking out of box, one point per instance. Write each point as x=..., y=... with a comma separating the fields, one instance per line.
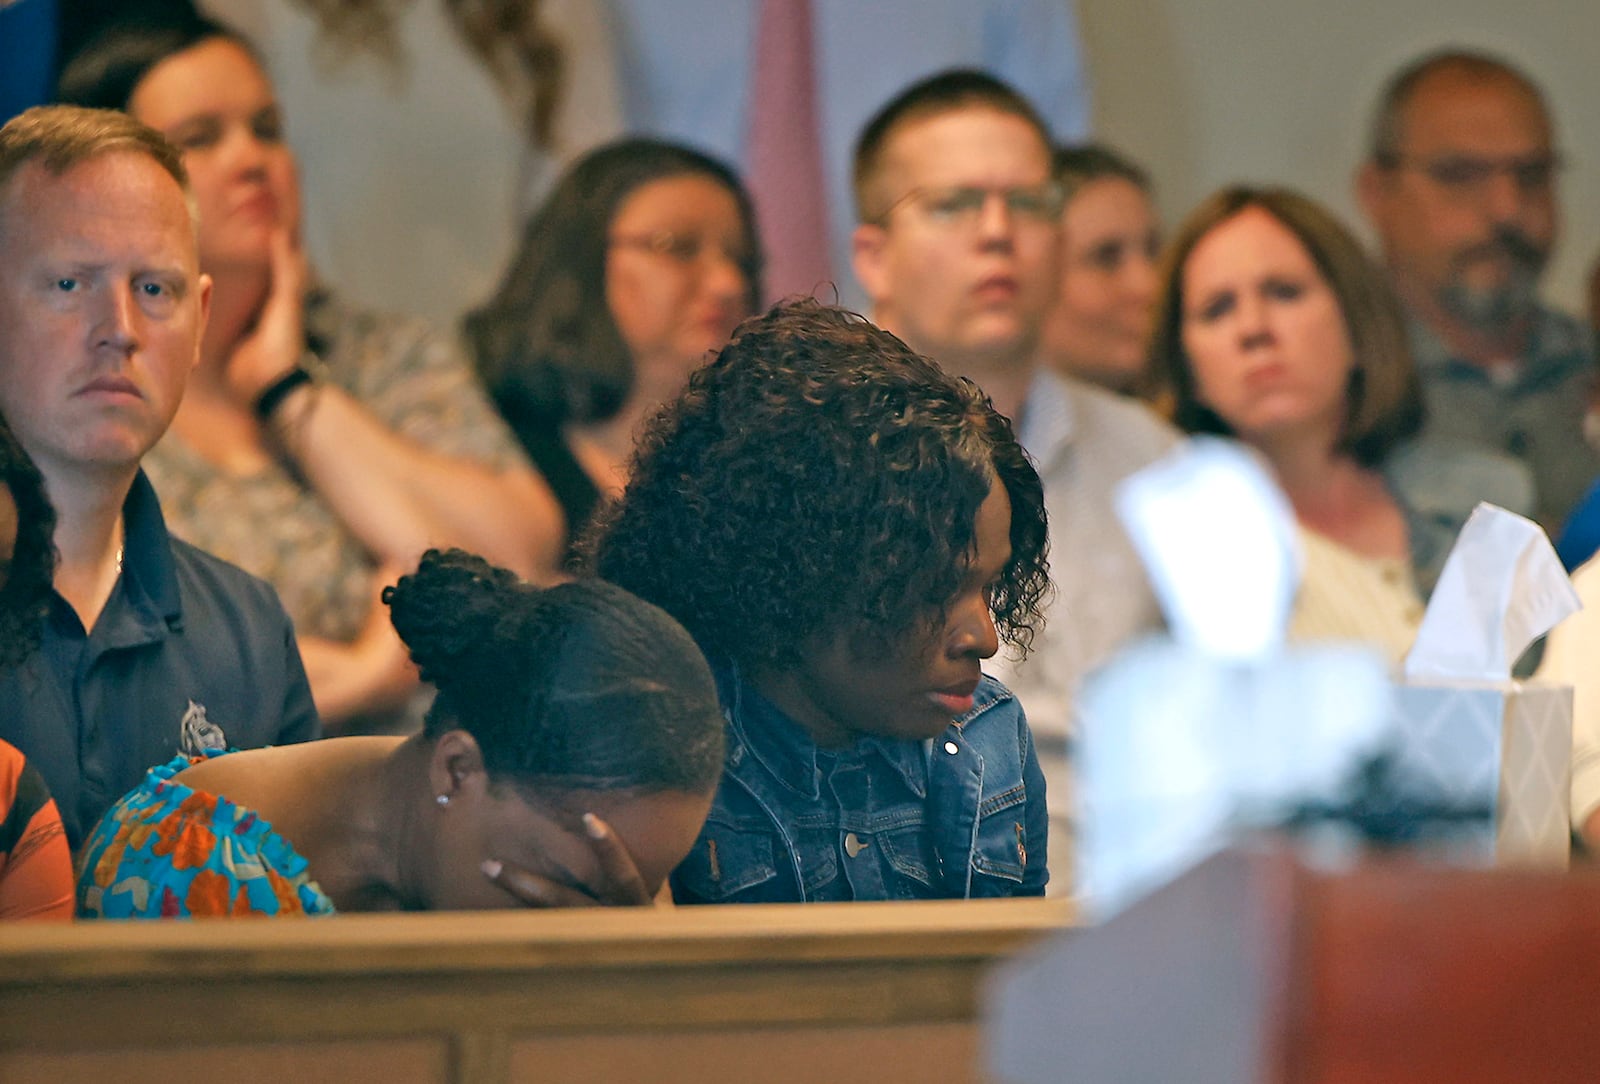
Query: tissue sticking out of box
x=1218, y=539
x=1502, y=588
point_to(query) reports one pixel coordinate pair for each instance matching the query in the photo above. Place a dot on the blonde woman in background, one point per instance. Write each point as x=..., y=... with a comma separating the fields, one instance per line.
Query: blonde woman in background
x=1099, y=329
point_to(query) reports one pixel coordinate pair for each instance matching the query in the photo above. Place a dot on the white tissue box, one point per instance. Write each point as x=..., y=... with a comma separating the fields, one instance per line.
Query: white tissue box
x=1504, y=745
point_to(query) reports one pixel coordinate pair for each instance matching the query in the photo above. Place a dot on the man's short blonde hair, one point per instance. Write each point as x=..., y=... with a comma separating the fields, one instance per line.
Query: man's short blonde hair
x=59, y=137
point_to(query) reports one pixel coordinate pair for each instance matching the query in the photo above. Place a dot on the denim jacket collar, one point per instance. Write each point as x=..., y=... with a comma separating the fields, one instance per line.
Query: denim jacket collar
x=784, y=748
x=976, y=825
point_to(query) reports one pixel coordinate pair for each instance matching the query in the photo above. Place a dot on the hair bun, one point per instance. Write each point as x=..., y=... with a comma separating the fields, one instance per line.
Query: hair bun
x=448, y=612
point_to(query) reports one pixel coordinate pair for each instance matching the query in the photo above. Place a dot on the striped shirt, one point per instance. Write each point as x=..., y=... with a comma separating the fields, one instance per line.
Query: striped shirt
x=1345, y=595
x=35, y=865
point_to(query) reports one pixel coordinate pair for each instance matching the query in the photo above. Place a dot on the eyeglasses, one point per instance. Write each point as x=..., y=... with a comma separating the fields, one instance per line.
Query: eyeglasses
x=961, y=206
x=682, y=248
x=1469, y=175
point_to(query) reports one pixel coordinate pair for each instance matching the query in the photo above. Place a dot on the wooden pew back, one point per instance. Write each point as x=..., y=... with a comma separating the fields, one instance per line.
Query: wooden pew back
x=851, y=992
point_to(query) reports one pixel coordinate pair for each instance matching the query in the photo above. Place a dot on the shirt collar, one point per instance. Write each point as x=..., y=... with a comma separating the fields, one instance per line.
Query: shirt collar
x=786, y=751
x=1554, y=340
x=147, y=551
x=1049, y=418
x=1427, y=349
x=144, y=605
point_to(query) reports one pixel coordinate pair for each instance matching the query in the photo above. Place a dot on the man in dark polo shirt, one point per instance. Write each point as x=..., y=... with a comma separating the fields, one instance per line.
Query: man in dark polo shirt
x=151, y=647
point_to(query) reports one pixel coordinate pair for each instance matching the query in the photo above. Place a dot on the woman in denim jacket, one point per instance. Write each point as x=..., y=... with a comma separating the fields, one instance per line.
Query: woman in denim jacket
x=847, y=531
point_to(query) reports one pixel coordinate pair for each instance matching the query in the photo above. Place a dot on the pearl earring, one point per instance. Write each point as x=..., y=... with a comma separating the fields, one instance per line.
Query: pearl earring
x=443, y=799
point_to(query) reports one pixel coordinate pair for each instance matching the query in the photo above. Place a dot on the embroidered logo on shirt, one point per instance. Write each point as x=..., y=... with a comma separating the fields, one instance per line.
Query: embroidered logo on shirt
x=199, y=734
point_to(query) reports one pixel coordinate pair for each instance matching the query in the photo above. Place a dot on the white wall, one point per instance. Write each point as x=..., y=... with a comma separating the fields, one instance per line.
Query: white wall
x=1205, y=92
x=416, y=177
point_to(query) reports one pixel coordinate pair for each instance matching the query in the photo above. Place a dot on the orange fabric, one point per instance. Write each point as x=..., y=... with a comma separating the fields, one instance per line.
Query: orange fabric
x=288, y=898
x=36, y=873
x=210, y=893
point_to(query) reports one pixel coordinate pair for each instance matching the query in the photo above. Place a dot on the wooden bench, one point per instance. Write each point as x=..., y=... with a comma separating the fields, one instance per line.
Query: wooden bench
x=854, y=992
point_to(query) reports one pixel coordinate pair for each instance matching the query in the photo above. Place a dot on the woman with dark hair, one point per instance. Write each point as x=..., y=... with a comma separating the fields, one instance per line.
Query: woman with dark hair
x=35, y=864
x=1099, y=328
x=568, y=758
x=848, y=532
x=1274, y=327
x=27, y=550
x=318, y=446
x=644, y=259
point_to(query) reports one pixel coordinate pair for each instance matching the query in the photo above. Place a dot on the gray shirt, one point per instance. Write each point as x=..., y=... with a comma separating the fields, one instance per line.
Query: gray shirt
x=1533, y=410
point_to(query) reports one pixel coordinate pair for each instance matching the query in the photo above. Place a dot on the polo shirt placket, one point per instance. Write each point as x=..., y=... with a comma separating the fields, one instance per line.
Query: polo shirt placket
x=181, y=632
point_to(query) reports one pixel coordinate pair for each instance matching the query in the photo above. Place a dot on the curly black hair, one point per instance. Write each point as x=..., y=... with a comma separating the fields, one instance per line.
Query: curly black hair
x=30, y=573
x=819, y=477
x=580, y=686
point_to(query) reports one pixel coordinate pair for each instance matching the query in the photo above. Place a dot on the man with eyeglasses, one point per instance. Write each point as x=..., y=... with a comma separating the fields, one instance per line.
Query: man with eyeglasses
x=1460, y=184
x=958, y=247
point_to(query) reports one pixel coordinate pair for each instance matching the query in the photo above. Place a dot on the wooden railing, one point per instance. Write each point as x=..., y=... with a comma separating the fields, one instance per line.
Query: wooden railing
x=848, y=992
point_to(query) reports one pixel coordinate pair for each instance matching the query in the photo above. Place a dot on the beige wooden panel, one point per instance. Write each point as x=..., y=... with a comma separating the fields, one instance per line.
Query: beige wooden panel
x=418, y=1062
x=909, y=1054
x=270, y=1008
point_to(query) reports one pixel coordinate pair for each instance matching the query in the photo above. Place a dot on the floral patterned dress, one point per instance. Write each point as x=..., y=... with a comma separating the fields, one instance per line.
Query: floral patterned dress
x=170, y=851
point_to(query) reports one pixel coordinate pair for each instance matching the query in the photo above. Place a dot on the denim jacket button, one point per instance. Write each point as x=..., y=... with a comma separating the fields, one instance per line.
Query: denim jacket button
x=853, y=845
x=951, y=748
